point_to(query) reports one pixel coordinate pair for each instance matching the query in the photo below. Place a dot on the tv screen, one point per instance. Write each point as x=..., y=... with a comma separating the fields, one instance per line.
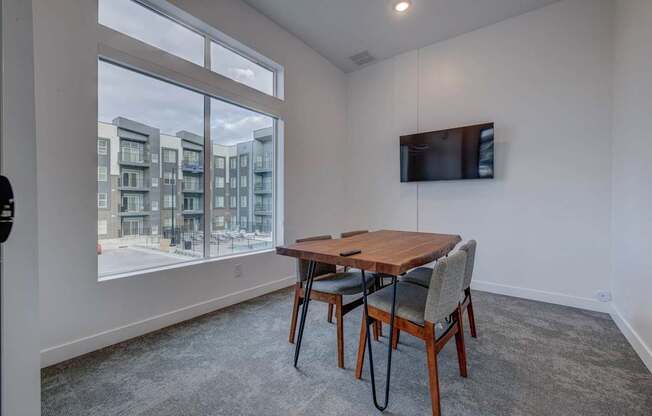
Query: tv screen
x=460, y=153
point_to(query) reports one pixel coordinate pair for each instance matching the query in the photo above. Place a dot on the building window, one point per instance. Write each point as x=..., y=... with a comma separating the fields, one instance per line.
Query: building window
x=102, y=228
x=169, y=201
x=169, y=156
x=101, y=174
x=102, y=147
x=192, y=203
x=148, y=26
x=169, y=178
x=102, y=200
x=219, y=221
x=232, y=65
x=131, y=152
x=144, y=24
x=158, y=114
x=132, y=179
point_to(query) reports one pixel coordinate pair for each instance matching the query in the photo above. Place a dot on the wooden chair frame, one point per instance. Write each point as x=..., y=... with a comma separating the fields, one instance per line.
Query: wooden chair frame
x=465, y=306
x=334, y=301
x=433, y=345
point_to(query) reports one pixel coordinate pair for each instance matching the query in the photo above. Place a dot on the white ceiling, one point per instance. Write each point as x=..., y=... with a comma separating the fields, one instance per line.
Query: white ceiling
x=338, y=29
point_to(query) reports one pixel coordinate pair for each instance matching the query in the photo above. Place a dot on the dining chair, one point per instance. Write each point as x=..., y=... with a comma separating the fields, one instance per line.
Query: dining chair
x=330, y=287
x=421, y=276
x=418, y=310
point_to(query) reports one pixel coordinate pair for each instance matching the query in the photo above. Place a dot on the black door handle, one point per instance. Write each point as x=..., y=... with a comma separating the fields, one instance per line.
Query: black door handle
x=6, y=208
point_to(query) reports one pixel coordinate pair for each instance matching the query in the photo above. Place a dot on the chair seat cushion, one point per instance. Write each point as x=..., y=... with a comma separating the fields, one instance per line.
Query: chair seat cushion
x=345, y=283
x=410, y=301
x=420, y=276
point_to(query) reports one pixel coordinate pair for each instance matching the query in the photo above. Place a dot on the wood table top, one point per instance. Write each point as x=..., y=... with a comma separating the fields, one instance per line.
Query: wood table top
x=384, y=251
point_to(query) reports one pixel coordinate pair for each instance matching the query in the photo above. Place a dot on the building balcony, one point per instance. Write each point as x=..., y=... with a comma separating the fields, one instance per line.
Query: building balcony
x=192, y=188
x=263, y=189
x=262, y=166
x=133, y=186
x=262, y=209
x=192, y=167
x=193, y=212
x=133, y=159
x=133, y=211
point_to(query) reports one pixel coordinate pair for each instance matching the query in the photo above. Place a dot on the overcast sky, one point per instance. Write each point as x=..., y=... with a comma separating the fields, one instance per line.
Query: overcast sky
x=124, y=93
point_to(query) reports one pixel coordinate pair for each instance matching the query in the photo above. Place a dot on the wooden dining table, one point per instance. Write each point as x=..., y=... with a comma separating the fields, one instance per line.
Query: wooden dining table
x=386, y=252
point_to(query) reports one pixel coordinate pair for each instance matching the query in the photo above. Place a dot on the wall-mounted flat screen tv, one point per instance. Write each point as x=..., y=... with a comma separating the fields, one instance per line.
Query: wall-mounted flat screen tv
x=454, y=154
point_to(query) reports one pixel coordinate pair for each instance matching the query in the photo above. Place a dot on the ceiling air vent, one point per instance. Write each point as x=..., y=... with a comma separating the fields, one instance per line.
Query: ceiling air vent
x=362, y=58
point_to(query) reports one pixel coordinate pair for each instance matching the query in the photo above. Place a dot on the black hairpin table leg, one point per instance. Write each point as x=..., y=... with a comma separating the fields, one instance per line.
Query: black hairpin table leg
x=389, y=344
x=304, y=308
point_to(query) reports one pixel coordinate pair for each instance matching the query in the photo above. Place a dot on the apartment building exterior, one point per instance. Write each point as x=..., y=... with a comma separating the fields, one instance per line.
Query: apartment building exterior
x=152, y=184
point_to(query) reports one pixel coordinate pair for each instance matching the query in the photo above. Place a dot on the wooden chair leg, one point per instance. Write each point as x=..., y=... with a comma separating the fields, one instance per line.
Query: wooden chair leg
x=295, y=312
x=340, y=332
x=330, y=313
x=361, y=347
x=469, y=310
x=374, y=329
x=395, y=337
x=433, y=376
x=459, y=342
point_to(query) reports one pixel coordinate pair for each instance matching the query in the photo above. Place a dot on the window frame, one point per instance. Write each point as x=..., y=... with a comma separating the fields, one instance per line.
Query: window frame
x=211, y=34
x=119, y=49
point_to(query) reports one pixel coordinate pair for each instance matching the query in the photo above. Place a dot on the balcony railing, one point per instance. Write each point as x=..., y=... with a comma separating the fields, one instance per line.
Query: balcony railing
x=263, y=209
x=133, y=158
x=263, y=165
x=263, y=188
x=190, y=166
x=192, y=187
x=133, y=209
x=133, y=185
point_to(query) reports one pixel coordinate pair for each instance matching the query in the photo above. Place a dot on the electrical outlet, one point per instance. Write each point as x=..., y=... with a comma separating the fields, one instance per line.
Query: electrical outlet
x=237, y=271
x=603, y=296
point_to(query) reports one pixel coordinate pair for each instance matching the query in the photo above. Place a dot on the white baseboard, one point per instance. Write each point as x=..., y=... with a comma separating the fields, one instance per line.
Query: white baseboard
x=63, y=352
x=543, y=296
x=643, y=350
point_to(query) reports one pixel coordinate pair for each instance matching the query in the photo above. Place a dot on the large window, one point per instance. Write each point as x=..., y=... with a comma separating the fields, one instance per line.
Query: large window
x=140, y=22
x=153, y=207
x=144, y=24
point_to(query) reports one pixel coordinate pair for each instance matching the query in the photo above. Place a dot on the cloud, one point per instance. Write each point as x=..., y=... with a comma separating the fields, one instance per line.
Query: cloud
x=124, y=93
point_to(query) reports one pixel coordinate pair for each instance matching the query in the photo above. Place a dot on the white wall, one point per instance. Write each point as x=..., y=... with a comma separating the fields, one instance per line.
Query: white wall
x=543, y=225
x=20, y=322
x=632, y=173
x=78, y=314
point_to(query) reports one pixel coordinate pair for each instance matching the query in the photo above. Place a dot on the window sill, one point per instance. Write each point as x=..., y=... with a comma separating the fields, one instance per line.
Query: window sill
x=190, y=263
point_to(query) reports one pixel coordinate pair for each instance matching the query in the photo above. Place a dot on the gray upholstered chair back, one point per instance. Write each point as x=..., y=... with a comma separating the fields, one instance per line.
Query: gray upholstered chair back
x=469, y=248
x=352, y=233
x=445, y=287
x=320, y=268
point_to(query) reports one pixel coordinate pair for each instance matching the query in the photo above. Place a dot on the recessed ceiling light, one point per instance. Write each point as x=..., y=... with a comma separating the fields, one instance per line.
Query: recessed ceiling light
x=402, y=6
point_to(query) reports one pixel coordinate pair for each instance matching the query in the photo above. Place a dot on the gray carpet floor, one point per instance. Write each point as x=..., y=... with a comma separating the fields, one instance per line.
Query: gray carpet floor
x=530, y=358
